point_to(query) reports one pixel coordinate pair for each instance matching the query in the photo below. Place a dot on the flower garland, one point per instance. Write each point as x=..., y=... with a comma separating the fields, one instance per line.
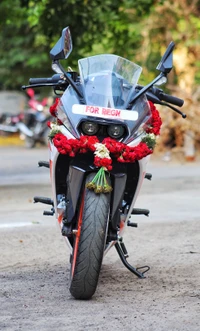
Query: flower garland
x=53, y=108
x=108, y=149
x=155, y=122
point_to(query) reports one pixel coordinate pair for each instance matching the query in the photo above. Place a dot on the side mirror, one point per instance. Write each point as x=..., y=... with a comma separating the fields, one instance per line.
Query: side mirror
x=63, y=47
x=166, y=62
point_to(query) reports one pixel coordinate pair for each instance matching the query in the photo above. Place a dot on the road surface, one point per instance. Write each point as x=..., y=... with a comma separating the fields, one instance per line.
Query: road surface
x=34, y=264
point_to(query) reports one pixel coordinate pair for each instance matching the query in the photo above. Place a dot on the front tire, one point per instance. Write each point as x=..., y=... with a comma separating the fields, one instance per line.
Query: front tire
x=89, y=242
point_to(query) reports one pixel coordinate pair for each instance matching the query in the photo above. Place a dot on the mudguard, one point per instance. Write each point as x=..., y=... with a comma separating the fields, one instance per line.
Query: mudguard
x=75, y=180
x=74, y=184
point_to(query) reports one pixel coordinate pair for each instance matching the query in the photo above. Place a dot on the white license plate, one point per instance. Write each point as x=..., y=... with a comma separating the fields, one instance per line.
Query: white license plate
x=104, y=112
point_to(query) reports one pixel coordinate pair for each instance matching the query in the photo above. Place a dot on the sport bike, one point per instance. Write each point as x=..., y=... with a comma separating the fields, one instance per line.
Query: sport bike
x=104, y=131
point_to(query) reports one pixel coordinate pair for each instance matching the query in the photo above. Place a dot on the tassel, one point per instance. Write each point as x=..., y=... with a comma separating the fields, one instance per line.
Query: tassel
x=99, y=183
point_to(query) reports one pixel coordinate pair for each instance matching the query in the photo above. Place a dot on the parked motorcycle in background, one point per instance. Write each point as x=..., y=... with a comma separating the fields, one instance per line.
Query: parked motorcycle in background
x=35, y=120
x=8, y=123
x=31, y=124
x=101, y=140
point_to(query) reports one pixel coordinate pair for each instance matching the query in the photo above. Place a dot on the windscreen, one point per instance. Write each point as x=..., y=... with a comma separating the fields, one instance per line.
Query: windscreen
x=108, y=80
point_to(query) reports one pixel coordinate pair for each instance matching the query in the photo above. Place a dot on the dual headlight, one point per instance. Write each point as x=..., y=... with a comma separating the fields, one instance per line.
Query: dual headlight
x=115, y=131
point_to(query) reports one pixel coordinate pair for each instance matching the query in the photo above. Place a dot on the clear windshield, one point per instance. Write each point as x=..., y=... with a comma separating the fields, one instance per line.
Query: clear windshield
x=108, y=80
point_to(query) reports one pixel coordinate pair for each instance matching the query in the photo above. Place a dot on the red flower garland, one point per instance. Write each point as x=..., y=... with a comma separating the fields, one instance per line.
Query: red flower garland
x=72, y=146
x=53, y=111
x=53, y=108
x=155, y=122
x=118, y=150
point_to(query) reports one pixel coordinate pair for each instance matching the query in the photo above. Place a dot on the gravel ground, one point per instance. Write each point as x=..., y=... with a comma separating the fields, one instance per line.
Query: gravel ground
x=34, y=264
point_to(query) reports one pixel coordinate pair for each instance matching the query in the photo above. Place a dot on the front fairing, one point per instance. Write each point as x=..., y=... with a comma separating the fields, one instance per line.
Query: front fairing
x=107, y=81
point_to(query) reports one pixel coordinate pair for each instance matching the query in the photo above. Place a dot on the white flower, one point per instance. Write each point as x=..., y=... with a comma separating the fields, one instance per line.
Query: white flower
x=101, y=151
x=151, y=136
x=55, y=127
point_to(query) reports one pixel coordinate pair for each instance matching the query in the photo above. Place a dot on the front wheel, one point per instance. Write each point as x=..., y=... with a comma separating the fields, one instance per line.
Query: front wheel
x=89, y=242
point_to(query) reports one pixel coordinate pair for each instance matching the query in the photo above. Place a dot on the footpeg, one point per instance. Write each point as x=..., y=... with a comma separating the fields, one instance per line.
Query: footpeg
x=148, y=176
x=44, y=200
x=66, y=230
x=132, y=224
x=43, y=164
x=49, y=212
x=139, y=211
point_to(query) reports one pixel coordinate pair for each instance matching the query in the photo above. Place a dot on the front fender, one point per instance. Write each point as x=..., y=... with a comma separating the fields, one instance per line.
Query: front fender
x=74, y=184
x=75, y=181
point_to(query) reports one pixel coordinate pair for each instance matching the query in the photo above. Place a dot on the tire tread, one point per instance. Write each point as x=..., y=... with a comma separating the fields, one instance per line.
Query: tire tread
x=91, y=245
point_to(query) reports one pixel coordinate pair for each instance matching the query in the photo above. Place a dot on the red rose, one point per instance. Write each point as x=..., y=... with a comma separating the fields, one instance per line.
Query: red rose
x=103, y=162
x=53, y=108
x=92, y=140
x=121, y=159
x=155, y=122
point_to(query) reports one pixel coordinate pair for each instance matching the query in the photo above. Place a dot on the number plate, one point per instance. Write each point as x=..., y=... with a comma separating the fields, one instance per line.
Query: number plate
x=103, y=112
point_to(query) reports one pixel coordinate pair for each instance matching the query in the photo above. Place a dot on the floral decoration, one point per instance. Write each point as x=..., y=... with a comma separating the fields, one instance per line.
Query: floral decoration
x=108, y=149
x=53, y=108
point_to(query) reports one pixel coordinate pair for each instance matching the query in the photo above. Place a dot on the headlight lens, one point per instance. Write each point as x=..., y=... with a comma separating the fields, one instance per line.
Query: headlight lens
x=116, y=131
x=90, y=128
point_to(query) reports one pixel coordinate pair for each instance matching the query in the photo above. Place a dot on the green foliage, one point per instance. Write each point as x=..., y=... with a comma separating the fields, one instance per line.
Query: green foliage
x=138, y=30
x=20, y=56
x=97, y=27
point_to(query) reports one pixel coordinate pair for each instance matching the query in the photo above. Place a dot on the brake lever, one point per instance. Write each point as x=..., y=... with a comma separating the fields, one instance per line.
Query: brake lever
x=24, y=87
x=173, y=108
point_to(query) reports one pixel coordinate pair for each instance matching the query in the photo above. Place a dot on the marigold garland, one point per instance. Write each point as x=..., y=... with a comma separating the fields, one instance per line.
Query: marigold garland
x=108, y=149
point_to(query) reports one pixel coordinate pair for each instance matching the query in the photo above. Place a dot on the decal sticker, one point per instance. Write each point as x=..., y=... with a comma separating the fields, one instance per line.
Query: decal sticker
x=103, y=112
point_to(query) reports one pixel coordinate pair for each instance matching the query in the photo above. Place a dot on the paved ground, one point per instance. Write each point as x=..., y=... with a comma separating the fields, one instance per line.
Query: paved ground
x=34, y=265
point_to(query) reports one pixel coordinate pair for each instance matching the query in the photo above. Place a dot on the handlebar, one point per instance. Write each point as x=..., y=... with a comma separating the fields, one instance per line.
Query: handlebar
x=153, y=94
x=156, y=95
x=171, y=99
x=54, y=79
x=57, y=81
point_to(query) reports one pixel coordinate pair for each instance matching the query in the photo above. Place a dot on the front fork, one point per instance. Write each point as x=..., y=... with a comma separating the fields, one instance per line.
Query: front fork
x=75, y=179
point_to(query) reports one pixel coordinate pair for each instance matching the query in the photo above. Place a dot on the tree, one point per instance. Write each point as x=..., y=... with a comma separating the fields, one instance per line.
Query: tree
x=96, y=26
x=20, y=52
x=180, y=23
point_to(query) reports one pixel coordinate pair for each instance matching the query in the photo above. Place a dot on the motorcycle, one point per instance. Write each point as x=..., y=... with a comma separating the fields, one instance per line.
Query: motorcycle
x=35, y=120
x=100, y=142
x=8, y=123
x=31, y=124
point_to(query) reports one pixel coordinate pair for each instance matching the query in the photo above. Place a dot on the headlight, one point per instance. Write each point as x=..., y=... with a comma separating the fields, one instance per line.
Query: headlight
x=116, y=131
x=90, y=128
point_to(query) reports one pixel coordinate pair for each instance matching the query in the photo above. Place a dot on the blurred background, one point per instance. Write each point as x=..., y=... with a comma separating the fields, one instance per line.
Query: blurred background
x=137, y=30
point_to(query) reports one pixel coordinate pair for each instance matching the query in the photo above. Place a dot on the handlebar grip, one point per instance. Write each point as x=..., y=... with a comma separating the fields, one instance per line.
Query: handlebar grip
x=173, y=100
x=54, y=79
x=39, y=81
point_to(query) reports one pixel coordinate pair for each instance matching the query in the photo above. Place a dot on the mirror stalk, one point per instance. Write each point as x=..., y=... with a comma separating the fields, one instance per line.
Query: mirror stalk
x=145, y=89
x=70, y=81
